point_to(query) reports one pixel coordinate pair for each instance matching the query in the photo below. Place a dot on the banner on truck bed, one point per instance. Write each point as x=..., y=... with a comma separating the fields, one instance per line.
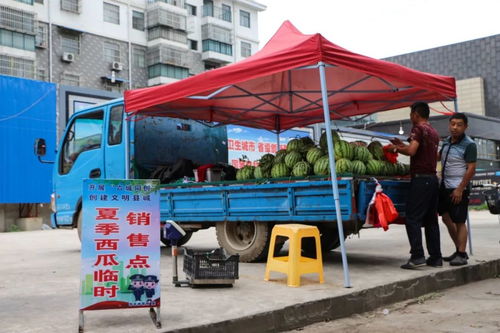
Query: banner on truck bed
x=120, y=265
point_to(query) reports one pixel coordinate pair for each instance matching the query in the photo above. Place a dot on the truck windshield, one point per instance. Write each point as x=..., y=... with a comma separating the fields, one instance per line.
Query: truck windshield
x=84, y=134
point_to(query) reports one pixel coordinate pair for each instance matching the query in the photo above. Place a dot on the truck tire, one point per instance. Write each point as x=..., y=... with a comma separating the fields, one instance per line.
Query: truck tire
x=329, y=240
x=180, y=242
x=248, y=239
x=79, y=221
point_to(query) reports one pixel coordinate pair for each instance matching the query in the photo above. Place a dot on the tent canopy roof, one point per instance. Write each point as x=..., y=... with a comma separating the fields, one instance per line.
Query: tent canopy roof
x=279, y=88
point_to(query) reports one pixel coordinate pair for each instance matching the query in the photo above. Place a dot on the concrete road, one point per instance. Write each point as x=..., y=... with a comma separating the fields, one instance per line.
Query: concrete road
x=474, y=307
x=39, y=283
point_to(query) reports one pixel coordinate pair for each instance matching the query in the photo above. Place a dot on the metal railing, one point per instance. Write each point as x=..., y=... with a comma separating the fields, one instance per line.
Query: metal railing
x=17, y=66
x=18, y=20
x=220, y=13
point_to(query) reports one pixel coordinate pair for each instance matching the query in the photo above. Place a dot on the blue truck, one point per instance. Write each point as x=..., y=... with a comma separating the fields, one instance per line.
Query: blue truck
x=100, y=142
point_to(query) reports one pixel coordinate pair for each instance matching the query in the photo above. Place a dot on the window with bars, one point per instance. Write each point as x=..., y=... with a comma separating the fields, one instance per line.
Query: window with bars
x=167, y=33
x=29, y=2
x=41, y=36
x=246, y=49
x=70, y=79
x=72, y=6
x=213, y=32
x=177, y=3
x=17, y=40
x=41, y=74
x=17, y=66
x=111, y=13
x=17, y=20
x=111, y=51
x=70, y=43
x=166, y=55
x=164, y=17
x=191, y=9
x=138, y=20
x=244, y=18
x=138, y=57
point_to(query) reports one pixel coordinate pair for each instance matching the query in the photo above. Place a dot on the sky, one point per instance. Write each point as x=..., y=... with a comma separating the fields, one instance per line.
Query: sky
x=383, y=28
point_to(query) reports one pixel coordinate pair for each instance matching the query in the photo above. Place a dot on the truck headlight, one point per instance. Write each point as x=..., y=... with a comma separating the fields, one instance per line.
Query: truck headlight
x=53, y=202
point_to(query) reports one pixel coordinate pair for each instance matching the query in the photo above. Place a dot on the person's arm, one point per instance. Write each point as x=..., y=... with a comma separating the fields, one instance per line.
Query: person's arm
x=456, y=195
x=408, y=150
x=470, y=158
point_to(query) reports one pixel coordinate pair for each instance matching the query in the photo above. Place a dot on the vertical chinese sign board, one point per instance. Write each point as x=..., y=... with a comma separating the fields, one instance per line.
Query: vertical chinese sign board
x=120, y=244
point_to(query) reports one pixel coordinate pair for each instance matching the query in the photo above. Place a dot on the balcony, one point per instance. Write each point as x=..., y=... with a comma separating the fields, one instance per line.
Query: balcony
x=162, y=17
x=220, y=13
x=215, y=51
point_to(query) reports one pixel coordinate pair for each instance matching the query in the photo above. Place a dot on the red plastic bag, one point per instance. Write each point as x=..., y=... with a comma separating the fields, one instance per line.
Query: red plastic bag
x=390, y=155
x=381, y=211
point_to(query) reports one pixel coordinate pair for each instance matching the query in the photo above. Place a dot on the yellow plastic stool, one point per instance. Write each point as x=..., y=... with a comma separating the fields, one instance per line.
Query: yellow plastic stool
x=294, y=265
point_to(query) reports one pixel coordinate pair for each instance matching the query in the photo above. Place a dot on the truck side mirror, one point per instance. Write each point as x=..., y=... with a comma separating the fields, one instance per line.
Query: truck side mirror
x=40, y=147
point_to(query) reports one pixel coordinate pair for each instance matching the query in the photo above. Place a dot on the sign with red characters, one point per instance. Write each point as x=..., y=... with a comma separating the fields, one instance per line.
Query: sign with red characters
x=120, y=244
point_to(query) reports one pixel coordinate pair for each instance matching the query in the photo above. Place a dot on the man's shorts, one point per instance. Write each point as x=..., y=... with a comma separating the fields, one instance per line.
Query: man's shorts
x=458, y=212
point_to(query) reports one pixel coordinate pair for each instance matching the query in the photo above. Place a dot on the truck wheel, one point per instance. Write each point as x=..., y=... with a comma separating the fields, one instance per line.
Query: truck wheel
x=79, y=220
x=248, y=239
x=329, y=240
x=180, y=242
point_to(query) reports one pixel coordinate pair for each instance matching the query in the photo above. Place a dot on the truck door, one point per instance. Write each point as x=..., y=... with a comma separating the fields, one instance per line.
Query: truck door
x=114, y=148
x=80, y=157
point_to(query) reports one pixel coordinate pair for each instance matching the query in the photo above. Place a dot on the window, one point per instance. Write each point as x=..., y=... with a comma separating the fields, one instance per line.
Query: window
x=41, y=74
x=111, y=13
x=115, y=125
x=17, y=40
x=138, y=20
x=193, y=44
x=167, y=33
x=165, y=70
x=246, y=49
x=191, y=9
x=244, y=19
x=216, y=46
x=72, y=6
x=17, y=67
x=70, y=43
x=226, y=13
x=70, y=79
x=84, y=134
x=111, y=52
x=18, y=20
x=29, y=2
x=208, y=8
x=39, y=1
x=41, y=36
x=164, y=17
x=138, y=57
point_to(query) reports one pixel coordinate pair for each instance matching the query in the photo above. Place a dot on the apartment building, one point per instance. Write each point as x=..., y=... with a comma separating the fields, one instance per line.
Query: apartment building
x=99, y=48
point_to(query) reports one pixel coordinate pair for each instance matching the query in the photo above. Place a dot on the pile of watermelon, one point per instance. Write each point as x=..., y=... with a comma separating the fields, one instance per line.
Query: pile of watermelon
x=302, y=158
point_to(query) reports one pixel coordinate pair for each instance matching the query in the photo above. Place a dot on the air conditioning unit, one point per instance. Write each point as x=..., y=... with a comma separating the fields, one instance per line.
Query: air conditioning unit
x=68, y=57
x=116, y=66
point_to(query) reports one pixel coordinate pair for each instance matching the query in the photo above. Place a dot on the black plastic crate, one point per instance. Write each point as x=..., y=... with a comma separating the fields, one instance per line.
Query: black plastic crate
x=210, y=267
x=493, y=200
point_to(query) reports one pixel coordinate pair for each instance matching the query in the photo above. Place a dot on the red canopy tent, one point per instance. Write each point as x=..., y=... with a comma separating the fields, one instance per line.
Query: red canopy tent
x=295, y=80
x=279, y=88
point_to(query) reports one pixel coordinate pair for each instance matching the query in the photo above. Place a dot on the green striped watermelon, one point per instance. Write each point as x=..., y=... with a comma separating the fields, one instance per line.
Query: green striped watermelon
x=301, y=169
x=266, y=159
x=344, y=150
x=280, y=170
x=358, y=168
x=260, y=173
x=375, y=147
x=343, y=166
x=280, y=156
x=247, y=172
x=322, y=140
x=313, y=154
x=292, y=158
x=322, y=166
x=362, y=154
x=294, y=145
x=373, y=167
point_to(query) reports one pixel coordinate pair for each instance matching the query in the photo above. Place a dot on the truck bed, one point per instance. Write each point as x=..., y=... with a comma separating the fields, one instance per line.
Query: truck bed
x=291, y=201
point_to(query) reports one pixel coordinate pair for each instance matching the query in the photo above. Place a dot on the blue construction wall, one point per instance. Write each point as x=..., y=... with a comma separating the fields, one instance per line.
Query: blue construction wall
x=27, y=112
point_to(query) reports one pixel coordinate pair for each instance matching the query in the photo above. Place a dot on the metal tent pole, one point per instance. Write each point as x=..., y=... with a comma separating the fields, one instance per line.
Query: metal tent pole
x=469, y=231
x=335, y=187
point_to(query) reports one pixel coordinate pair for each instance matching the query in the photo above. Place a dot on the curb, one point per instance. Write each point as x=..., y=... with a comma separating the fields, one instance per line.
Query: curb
x=303, y=314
